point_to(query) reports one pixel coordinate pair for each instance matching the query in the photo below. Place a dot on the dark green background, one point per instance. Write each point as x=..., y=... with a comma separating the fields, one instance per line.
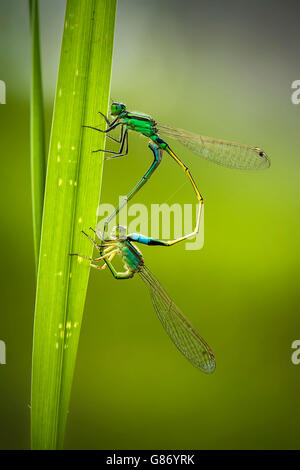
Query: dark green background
x=218, y=68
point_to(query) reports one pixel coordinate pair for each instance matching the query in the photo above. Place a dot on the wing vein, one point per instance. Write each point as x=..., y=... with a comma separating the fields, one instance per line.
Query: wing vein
x=221, y=152
x=185, y=337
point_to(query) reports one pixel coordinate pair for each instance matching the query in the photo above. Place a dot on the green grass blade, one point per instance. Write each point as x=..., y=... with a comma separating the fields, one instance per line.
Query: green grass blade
x=71, y=199
x=37, y=131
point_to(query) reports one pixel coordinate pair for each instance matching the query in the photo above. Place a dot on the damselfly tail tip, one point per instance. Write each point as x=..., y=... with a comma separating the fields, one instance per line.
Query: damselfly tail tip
x=265, y=160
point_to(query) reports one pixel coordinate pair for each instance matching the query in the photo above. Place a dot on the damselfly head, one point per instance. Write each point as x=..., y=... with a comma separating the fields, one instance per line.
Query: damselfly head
x=117, y=108
x=119, y=233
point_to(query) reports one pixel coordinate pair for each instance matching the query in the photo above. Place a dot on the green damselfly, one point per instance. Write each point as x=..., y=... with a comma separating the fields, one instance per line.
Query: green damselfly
x=221, y=152
x=182, y=333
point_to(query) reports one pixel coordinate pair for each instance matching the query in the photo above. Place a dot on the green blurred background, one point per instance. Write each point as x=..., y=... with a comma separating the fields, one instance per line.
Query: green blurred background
x=218, y=68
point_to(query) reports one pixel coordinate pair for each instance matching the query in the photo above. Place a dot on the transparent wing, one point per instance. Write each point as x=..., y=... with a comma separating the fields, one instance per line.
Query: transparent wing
x=222, y=152
x=181, y=332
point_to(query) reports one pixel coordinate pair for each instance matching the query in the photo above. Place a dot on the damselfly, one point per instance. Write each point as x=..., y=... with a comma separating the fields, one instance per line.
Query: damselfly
x=221, y=152
x=185, y=337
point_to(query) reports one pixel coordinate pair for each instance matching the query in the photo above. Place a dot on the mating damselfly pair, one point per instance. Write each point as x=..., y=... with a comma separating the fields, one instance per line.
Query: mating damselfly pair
x=221, y=152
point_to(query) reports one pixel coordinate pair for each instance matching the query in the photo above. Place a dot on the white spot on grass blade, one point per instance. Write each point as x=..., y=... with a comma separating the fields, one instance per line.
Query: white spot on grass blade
x=60, y=182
